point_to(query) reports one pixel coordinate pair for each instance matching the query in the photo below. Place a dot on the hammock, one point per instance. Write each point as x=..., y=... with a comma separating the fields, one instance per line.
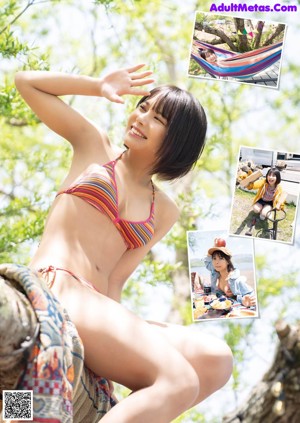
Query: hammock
x=237, y=65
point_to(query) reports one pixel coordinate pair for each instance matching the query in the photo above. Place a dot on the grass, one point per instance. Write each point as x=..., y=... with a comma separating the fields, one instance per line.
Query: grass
x=195, y=68
x=242, y=215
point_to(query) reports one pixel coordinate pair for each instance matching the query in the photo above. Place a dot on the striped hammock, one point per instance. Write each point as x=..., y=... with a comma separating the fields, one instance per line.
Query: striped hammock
x=237, y=65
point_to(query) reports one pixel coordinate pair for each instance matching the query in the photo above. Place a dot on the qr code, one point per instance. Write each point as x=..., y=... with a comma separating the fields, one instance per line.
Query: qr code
x=17, y=405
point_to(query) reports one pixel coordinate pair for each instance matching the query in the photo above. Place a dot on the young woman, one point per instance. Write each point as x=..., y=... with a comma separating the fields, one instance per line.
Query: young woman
x=209, y=55
x=268, y=194
x=226, y=279
x=106, y=216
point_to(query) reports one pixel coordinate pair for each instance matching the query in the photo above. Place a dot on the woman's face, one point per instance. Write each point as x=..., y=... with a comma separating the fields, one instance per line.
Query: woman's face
x=211, y=57
x=271, y=179
x=146, y=128
x=219, y=263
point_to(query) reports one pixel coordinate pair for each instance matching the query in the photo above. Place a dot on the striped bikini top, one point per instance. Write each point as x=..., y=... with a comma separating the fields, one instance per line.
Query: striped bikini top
x=99, y=188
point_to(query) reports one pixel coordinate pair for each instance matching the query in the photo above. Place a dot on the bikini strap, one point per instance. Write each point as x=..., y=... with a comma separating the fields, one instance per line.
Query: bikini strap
x=153, y=191
x=52, y=269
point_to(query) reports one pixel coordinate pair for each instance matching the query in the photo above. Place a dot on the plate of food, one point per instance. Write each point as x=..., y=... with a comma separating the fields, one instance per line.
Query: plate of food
x=199, y=312
x=208, y=298
x=242, y=313
x=221, y=305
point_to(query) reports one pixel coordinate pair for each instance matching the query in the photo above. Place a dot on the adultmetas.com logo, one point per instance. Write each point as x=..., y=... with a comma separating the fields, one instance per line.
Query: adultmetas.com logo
x=244, y=7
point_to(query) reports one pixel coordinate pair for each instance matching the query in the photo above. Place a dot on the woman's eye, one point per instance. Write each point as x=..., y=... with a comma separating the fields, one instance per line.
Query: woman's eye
x=160, y=119
x=142, y=107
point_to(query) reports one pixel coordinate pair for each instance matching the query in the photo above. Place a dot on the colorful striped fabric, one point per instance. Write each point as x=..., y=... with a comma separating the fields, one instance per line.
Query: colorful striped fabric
x=237, y=65
x=98, y=187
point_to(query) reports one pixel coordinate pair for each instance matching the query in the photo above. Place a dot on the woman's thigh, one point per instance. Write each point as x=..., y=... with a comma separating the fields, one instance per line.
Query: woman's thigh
x=210, y=357
x=257, y=207
x=117, y=344
x=265, y=210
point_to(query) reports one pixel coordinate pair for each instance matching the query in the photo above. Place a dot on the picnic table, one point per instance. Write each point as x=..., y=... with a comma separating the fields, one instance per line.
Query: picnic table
x=208, y=307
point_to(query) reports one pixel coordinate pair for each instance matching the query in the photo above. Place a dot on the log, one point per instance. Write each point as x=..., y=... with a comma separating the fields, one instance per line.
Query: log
x=251, y=178
x=25, y=324
x=276, y=398
x=18, y=324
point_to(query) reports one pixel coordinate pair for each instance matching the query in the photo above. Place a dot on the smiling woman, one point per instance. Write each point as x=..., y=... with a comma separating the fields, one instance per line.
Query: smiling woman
x=106, y=217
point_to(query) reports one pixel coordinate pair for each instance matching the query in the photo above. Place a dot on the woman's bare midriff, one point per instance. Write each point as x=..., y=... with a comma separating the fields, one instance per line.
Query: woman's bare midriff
x=79, y=238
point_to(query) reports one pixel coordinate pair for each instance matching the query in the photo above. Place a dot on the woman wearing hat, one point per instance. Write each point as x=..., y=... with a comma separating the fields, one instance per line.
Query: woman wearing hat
x=225, y=278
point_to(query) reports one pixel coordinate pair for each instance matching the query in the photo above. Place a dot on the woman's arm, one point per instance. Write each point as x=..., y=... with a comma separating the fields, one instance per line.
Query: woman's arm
x=248, y=300
x=208, y=263
x=41, y=91
x=257, y=184
x=239, y=287
x=279, y=198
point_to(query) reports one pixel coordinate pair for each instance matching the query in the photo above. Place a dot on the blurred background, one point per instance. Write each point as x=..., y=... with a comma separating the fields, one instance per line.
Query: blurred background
x=93, y=37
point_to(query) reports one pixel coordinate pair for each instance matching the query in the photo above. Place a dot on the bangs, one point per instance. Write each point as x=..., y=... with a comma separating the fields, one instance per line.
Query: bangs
x=164, y=104
x=166, y=101
x=220, y=254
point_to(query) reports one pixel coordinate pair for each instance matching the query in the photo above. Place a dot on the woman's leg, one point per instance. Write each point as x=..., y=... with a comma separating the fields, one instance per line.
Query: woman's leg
x=257, y=207
x=210, y=357
x=121, y=347
x=265, y=210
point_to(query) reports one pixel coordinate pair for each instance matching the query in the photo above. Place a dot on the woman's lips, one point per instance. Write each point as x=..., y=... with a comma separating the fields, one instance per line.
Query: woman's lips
x=136, y=132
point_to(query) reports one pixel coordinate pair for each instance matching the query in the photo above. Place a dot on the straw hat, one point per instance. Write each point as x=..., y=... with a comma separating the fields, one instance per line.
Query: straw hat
x=223, y=249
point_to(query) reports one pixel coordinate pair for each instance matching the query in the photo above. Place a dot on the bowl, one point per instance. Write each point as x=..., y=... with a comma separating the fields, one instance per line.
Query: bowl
x=221, y=305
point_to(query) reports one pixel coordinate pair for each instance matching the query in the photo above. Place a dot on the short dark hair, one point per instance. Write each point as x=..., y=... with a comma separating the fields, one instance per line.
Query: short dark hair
x=203, y=53
x=186, y=131
x=276, y=173
x=219, y=253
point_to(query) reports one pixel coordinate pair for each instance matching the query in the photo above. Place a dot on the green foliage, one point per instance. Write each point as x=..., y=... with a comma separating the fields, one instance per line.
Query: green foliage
x=24, y=176
x=153, y=271
x=192, y=416
x=11, y=46
x=235, y=335
x=122, y=33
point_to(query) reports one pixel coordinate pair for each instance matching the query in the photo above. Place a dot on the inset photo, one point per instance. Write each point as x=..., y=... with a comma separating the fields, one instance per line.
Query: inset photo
x=236, y=49
x=222, y=276
x=266, y=195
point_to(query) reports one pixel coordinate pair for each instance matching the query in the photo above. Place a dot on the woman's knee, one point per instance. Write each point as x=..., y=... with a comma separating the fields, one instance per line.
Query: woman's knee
x=183, y=384
x=220, y=365
x=225, y=364
x=257, y=208
x=265, y=210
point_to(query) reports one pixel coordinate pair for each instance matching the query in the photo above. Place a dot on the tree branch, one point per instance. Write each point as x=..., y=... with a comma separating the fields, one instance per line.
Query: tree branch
x=277, y=32
x=218, y=32
x=30, y=3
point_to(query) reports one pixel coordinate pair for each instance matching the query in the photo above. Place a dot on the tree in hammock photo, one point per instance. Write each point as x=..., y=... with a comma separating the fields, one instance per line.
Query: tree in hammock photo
x=236, y=49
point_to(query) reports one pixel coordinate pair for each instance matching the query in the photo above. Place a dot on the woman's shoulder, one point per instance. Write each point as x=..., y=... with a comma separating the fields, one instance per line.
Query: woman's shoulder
x=234, y=274
x=97, y=147
x=166, y=209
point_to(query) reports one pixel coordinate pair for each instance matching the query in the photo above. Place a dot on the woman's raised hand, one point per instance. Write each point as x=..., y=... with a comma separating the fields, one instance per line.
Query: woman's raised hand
x=124, y=81
x=249, y=300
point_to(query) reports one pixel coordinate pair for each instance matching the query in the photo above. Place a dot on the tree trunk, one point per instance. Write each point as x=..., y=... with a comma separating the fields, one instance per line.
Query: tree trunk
x=242, y=39
x=181, y=282
x=218, y=32
x=277, y=32
x=259, y=29
x=276, y=399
